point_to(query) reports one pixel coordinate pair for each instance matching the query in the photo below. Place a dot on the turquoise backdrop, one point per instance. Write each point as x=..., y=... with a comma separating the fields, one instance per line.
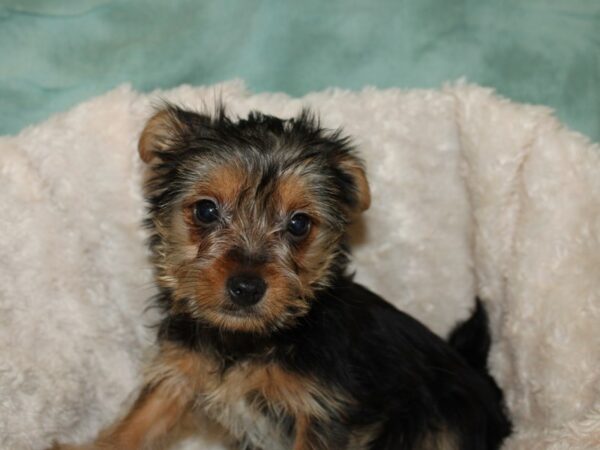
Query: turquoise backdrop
x=55, y=53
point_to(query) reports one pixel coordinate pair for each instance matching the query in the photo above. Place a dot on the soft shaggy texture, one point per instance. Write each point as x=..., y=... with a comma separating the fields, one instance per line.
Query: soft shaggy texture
x=472, y=194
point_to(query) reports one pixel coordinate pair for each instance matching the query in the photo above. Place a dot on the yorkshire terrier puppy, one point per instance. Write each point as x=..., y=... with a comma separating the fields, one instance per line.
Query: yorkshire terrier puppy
x=264, y=331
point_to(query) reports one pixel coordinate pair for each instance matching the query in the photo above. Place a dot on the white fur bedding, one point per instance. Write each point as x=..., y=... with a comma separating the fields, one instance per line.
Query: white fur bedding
x=472, y=194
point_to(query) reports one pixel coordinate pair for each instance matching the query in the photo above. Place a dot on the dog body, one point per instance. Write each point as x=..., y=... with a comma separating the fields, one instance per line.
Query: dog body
x=264, y=332
x=363, y=373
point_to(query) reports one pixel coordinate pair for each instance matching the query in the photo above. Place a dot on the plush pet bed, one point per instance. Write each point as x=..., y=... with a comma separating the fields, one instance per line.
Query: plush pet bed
x=472, y=194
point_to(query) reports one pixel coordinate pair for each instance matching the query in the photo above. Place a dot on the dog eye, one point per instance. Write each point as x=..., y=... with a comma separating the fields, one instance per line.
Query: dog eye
x=299, y=225
x=206, y=211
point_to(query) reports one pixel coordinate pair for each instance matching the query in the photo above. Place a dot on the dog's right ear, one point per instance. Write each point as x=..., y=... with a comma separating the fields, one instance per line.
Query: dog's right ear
x=167, y=131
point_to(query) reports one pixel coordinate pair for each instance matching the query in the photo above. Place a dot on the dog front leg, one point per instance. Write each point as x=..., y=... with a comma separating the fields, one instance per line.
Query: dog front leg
x=154, y=414
x=166, y=398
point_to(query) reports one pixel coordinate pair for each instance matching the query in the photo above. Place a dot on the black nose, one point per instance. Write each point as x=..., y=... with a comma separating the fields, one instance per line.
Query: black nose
x=246, y=290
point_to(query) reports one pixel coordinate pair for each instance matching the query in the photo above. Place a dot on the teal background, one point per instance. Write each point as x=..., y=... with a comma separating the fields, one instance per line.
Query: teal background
x=54, y=54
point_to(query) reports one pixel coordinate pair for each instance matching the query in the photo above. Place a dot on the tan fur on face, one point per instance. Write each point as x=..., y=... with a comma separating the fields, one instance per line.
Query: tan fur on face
x=207, y=288
x=309, y=256
x=224, y=184
x=292, y=194
x=194, y=260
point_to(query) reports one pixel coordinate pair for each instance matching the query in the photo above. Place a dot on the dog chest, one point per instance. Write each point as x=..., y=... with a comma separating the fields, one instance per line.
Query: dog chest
x=237, y=401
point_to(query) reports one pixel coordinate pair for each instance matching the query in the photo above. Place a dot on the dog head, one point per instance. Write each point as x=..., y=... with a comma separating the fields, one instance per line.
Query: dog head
x=248, y=217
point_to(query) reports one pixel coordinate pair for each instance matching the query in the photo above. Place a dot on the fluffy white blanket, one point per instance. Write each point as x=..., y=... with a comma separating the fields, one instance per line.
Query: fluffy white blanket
x=472, y=194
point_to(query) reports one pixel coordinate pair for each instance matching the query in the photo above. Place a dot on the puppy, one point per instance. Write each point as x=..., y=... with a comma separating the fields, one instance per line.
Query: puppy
x=264, y=331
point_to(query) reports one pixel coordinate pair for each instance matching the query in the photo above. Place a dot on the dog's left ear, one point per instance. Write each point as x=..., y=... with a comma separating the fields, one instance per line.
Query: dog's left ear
x=354, y=168
x=167, y=130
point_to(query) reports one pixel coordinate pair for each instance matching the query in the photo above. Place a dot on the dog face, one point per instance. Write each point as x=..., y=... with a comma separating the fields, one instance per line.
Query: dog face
x=248, y=217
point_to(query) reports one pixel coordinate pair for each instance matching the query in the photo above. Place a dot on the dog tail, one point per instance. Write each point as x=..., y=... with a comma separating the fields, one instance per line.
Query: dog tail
x=471, y=338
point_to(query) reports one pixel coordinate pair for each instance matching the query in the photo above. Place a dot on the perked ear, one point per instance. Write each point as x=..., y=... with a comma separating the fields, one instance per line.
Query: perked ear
x=354, y=167
x=166, y=130
x=158, y=134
